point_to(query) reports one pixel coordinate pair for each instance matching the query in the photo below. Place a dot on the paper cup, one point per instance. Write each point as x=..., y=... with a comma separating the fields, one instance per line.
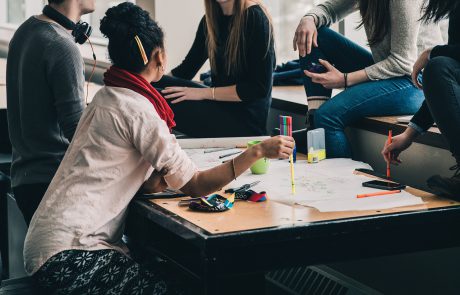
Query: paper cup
x=261, y=166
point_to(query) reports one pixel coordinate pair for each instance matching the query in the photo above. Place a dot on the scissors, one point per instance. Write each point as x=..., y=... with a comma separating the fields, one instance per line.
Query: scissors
x=242, y=188
x=166, y=194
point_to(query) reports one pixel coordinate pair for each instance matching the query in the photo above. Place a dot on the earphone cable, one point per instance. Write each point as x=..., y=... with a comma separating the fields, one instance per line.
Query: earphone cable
x=92, y=71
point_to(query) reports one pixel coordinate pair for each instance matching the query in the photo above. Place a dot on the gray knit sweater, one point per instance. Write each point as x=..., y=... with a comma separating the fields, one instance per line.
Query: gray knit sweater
x=396, y=54
x=45, y=82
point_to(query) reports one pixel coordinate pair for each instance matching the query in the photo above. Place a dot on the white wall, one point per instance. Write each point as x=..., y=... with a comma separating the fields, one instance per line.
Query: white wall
x=179, y=20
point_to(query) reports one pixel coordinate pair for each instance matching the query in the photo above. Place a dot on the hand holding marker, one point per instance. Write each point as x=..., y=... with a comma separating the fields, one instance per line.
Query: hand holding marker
x=390, y=138
x=286, y=129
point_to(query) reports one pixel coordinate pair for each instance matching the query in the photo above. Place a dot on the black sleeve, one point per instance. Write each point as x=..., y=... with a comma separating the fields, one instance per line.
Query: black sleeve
x=196, y=57
x=260, y=58
x=423, y=118
x=452, y=51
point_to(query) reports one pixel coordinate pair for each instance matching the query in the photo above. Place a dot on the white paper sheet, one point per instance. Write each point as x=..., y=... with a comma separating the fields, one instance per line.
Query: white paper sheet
x=328, y=186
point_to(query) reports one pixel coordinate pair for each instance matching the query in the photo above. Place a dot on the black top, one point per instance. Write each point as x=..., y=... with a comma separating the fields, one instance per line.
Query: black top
x=453, y=48
x=254, y=81
x=423, y=118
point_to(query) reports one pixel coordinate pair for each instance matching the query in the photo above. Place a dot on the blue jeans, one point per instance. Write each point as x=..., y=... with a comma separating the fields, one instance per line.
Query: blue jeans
x=390, y=97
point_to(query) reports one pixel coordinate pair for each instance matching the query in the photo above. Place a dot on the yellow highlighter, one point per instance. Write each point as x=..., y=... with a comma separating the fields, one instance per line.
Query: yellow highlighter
x=291, y=160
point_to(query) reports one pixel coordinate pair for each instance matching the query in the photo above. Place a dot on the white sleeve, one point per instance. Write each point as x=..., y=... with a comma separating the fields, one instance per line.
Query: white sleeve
x=332, y=11
x=151, y=137
x=405, y=27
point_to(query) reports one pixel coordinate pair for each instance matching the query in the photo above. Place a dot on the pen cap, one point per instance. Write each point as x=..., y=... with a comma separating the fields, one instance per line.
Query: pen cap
x=315, y=139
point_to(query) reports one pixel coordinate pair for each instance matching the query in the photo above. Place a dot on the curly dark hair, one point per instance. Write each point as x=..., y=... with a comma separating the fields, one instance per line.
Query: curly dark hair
x=121, y=24
x=436, y=10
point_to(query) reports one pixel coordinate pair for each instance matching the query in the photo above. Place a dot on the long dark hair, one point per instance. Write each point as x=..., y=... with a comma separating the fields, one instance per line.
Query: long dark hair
x=436, y=10
x=375, y=16
x=236, y=40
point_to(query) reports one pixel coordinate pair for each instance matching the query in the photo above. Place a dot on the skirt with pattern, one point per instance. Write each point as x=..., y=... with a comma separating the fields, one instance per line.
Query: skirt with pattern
x=100, y=272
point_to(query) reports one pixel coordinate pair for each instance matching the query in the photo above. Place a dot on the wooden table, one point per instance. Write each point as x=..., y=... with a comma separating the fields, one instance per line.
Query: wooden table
x=240, y=245
x=290, y=98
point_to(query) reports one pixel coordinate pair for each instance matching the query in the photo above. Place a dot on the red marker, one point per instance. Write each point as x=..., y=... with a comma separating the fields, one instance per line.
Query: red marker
x=378, y=194
x=388, y=164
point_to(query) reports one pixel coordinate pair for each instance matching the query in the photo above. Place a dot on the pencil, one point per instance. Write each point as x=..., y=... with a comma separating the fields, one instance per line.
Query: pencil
x=378, y=194
x=218, y=150
x=228, y=155
x=291, y=161
x=389, y=162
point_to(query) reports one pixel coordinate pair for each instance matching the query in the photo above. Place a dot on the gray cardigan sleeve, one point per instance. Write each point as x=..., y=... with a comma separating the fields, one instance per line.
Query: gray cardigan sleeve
x=403, y=51
x=66, y=75
x=333, y=11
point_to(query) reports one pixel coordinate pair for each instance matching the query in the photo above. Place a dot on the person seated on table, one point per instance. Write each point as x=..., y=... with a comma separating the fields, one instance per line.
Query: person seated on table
x=237, y=38
x=441, y=85
x=122, y=142
x=377, y=83
x=45, y=95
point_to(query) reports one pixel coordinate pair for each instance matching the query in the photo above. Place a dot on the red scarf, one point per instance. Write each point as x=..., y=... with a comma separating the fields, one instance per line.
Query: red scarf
x=117, y=77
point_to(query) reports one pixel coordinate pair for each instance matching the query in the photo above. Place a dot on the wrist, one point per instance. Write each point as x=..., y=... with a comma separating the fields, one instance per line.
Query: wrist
x=410, y=133
x=207, y=93
x=312, y=17
x=210, y=93
x=345, y=81
x=257, y=152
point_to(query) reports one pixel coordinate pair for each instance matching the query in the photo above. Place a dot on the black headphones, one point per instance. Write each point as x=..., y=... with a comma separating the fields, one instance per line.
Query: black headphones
x=80, y=31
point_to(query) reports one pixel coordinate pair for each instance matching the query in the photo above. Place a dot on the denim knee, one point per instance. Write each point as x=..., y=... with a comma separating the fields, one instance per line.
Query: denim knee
x=438, y=68
x=324, y=118
x=325, y=33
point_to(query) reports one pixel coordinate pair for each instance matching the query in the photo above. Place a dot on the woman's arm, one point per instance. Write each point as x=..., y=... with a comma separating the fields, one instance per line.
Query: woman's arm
x=405, y=26
x=334, y=79
x=255, y=82
x=179, y=94
x=211, y=180
x=332, y=11
x=151, y=138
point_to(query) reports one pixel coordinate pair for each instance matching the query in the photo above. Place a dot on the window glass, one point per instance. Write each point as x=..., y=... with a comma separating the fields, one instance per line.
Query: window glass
x=98, y=14
x=286, y=15
x=16, y=11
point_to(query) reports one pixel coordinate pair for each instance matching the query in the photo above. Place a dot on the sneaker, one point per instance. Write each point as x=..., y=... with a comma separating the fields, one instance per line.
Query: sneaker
x=445, y=186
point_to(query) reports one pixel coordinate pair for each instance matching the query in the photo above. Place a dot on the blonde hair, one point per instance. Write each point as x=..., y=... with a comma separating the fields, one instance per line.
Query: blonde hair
x=236, y=41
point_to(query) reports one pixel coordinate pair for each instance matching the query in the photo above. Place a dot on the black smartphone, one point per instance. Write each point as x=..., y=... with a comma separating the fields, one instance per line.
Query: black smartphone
x=316, y=68
x=378, y=184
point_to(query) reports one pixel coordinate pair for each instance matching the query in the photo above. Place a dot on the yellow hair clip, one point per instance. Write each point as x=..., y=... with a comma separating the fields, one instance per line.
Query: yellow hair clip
x=141, y=49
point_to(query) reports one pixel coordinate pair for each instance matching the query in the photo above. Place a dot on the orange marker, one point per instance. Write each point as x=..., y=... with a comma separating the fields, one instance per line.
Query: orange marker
x=378, y=194
x=388, y=164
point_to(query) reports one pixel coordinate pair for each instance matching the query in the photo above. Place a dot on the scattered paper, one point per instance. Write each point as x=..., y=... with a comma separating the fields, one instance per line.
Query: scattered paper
x=328, y=186
x=372, y=203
